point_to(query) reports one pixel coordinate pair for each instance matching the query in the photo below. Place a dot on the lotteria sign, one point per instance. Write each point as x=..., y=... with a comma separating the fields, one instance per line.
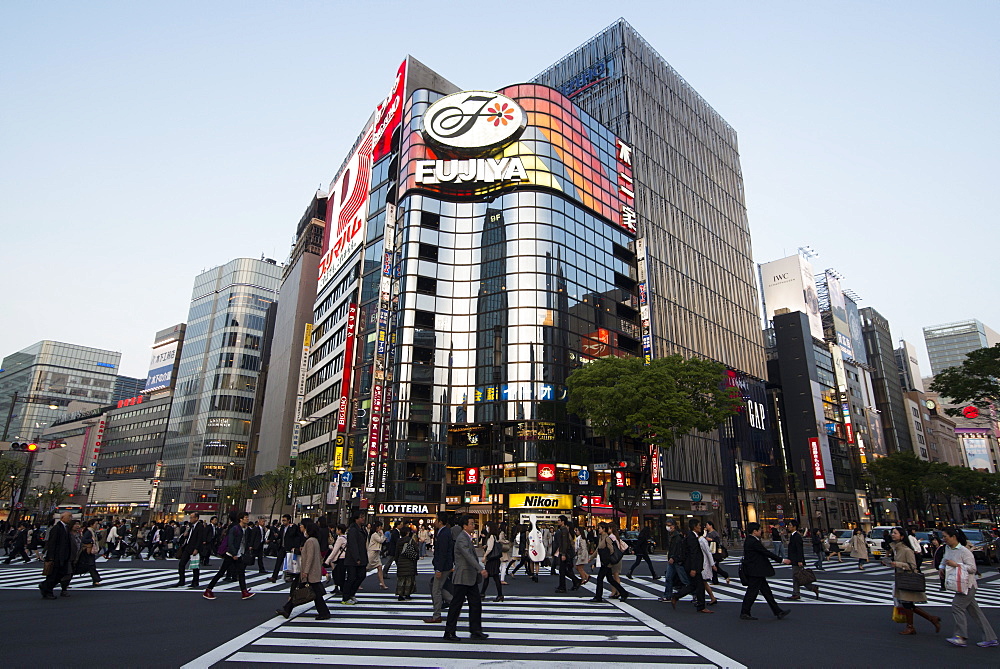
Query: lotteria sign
x=534, y=501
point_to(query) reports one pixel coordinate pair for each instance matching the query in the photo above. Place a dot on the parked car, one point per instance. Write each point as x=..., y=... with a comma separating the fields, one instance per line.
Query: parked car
x=877, y=540
x=983, y=548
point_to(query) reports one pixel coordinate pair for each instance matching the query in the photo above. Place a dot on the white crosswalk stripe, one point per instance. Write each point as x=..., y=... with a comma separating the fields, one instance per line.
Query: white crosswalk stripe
x=380, y=631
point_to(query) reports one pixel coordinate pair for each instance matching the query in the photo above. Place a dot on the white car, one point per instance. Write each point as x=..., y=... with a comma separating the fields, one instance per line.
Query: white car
x=875, y=539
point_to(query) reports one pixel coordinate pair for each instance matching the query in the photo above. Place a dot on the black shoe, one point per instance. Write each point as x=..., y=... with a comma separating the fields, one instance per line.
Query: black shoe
x=560, y=589
x=747, y=616
x=48, y=595
x=282, y=613
x=479, y=636
x=323, y=617
x=655, y=577
x=629, y=576
x=498, y=599
x=451, y=637
x=597, y=600
x=576, y=586
x=194, y=586
x=781, y=614
x=179, y=585
x=64, y=594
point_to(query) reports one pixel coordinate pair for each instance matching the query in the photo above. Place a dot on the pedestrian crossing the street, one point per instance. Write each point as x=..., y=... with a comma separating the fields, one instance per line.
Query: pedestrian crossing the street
x=522, y=632
x=832, y=591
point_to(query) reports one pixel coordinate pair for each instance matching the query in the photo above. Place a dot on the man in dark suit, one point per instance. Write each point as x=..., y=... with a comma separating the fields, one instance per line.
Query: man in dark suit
x=797, y=554
x=444, y=564
x=194, y=542
x=58, y=550
x=465, y=580
x=18, y=543
x=355, y=558
x=757, y=567
x=391, y=545
x=694, y=562
x=261, y=530
x=289, y=541
x=564, y=543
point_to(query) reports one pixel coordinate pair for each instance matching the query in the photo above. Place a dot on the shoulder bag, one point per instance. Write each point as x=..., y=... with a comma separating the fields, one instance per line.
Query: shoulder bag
x=744, y=579
x=410, y=551
x=615, y=553
x=911, y=581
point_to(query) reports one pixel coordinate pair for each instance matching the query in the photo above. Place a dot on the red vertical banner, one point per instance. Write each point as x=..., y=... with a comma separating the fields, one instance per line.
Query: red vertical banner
x=817, y=463
x=345, y=383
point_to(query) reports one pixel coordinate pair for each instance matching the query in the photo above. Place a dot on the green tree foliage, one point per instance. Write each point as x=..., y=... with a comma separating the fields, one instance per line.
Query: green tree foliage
x=976, y=381
x=274, y=484
x=656, y=403
x=11, y=474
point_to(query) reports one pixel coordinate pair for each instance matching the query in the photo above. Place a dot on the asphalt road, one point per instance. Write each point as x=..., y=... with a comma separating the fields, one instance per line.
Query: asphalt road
x=143, y=622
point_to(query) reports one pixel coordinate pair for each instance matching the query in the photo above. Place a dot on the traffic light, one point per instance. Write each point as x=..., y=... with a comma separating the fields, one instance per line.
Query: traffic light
x=467, y=497
x=621, y=465
x=28, y=447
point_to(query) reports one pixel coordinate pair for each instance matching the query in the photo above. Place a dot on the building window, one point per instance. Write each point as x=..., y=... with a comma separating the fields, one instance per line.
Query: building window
x=429, y=220
x=426, y=285
x=428, y=252
x=424, y=319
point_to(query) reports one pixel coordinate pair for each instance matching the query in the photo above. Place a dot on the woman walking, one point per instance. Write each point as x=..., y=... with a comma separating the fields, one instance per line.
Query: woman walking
x=937, y=554
x=311, y=572
x=834, y=546
x=582, y=555
x=818, y=549
x=75, y=548
x=375, y=541
x=708, y=567
x=606, y=544
x=959, y=571
x=719, y=552
x=859, y=548
x=904, y=561
x=336, y=559
x=407, y=554
x=493, y=553
x=87, y=562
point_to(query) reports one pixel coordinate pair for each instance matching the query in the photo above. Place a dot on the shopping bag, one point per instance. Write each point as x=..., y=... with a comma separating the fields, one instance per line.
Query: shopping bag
x=292, y=564
x=302, y=594
x=897, y=615
x=195, y=563
x=956, y=579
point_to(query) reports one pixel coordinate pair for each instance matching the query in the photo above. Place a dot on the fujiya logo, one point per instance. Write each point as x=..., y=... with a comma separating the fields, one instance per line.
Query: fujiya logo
x=472, y=122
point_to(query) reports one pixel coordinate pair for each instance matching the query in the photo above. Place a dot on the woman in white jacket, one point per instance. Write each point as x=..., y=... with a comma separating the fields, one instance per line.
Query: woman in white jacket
x=708, y=566
x=959, y=561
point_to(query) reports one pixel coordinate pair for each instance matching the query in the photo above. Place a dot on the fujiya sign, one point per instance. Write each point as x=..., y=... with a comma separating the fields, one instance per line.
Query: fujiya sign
x=472, y=123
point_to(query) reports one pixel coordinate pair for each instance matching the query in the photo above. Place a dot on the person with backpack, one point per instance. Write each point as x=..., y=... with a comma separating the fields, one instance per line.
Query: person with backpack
x=493, y=552
x=407, y=554
x=610, y=553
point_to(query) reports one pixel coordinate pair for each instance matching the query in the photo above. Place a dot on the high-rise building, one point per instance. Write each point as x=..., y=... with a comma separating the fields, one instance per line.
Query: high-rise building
x=208, y=431
x=948, y=344
x=126, y=387
x=885, y=380
x=909, y=367
x=47, y=377
x=284, y=359
x=481, y=245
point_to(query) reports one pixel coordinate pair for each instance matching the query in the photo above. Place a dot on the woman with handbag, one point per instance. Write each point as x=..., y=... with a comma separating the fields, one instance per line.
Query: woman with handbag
x=958, y=567
x=493, y=553
x=859, y=548
x=582, y=555
x=610, y=553
x=909, y=589
x=376, y=540
x=719, y=552
x=834, y=546
x=310, y=575
x=407, y=554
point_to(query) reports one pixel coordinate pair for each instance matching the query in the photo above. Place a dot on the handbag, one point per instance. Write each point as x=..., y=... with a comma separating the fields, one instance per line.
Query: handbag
x=195, y=563
x=897, y=615
x=805, y=576
x=303, y=594
x=911, y=581
x=615, y=554
x=410, y=551
x=742, y=573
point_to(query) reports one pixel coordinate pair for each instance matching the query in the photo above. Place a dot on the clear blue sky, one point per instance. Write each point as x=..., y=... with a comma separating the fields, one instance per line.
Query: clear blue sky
x=145, y=142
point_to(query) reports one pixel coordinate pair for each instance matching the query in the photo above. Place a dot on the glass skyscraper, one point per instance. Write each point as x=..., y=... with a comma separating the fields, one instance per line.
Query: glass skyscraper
x=948, y=344
x=209, y=426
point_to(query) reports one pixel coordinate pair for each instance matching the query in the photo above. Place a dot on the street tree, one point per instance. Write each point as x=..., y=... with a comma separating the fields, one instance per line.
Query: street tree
x=274, y=484
x=976, y=381
x=11, y=473
x=655, y=404
x=900, y=474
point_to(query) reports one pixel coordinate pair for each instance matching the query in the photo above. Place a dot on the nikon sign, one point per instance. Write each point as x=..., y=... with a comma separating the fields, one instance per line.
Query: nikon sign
x=535, y=501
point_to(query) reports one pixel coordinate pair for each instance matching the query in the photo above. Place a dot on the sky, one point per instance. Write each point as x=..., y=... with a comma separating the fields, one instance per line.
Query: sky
x=145, y=142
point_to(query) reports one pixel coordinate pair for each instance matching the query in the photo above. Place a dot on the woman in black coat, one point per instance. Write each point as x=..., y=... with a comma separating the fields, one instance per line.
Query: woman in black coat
x=87, y=562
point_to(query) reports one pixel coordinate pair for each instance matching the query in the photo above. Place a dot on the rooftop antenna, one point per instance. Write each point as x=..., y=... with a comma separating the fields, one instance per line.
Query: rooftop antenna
x=808, y=252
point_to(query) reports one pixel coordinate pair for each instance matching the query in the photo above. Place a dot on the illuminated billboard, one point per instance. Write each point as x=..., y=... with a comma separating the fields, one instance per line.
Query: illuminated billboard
x=475, y=143
x=789, y=284
x=977, y=453
x=838, y=309
x=347, y=203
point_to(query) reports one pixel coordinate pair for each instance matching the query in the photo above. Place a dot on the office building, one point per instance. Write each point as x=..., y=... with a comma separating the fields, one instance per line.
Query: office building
x=208, y=431
x=126, y=387
x=468, y=270
x=909, y=367
x=948, y=344
x=886, y=381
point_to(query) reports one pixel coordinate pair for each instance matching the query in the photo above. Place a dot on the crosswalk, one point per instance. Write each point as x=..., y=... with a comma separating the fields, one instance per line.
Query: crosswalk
x=856, y=591
x=522, y=632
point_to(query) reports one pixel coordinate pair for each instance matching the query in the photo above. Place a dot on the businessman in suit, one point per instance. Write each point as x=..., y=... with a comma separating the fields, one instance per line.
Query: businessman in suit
x=468, y=571
x=193, y=543
x=694, y=562
x=289, y=541
x=58, y=550
x=757, y=567
x=797, y=554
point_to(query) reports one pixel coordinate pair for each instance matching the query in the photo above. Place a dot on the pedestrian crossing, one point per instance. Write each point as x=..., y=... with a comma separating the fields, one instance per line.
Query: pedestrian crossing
x=869, y=592
x=523, y=631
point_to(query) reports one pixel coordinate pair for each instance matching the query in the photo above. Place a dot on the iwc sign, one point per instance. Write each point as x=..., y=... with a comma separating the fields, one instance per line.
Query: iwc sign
x=468, y=124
